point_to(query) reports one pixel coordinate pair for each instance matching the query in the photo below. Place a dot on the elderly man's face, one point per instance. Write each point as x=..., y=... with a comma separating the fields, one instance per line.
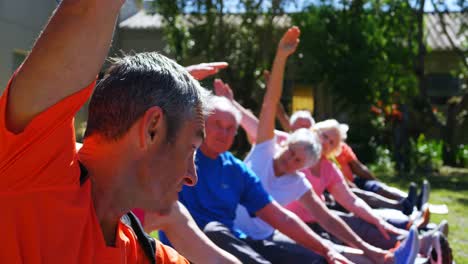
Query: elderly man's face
x=221, y=128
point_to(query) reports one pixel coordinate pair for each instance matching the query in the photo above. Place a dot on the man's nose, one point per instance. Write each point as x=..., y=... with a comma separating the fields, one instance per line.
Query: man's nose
x=191, y=177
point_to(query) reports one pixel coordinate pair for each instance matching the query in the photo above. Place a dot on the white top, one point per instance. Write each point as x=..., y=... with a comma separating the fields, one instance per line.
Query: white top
x=284, y=189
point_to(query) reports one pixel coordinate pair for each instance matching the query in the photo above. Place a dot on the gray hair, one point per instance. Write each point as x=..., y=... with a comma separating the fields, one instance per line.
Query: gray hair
x=301, y=114
x=224, y=104
x=135, y=83
x=308, y=140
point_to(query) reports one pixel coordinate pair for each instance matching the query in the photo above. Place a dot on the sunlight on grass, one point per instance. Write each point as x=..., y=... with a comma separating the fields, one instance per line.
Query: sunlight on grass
x=450, y=187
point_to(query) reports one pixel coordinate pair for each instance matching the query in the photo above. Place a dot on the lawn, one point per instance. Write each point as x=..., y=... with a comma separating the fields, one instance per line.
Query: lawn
x=449, y=186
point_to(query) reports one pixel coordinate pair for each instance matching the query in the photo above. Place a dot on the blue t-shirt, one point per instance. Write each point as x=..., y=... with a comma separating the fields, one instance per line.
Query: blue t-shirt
x=223, y=183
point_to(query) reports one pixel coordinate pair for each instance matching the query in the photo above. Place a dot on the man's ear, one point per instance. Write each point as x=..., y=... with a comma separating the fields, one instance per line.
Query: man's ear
x=153, y=126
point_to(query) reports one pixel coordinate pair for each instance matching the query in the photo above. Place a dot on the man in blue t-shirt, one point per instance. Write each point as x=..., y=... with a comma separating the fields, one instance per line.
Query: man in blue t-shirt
x=224, y=182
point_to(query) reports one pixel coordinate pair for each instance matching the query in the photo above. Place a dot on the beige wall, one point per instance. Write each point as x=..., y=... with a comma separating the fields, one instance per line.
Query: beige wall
x=20, y=23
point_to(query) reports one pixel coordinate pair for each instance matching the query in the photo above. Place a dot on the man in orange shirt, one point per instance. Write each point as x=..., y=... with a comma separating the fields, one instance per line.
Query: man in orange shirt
x=145, y=122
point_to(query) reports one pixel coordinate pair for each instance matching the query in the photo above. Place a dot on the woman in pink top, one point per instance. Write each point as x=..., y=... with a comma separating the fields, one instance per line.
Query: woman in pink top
x=326, y=176
x=309, y=201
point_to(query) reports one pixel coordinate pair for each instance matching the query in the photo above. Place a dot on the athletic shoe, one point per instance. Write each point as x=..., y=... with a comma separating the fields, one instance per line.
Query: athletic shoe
x=409, y=202
x=426, y=239
x=423, y=197
x=444, y=228
x=441, y=253
x=408, y=250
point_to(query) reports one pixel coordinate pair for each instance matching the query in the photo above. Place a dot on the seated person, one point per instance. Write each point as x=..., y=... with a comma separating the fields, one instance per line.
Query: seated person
x=357, y=174
x=326, y=176
x=225, y=182
x=277, y=167
x=67, y=207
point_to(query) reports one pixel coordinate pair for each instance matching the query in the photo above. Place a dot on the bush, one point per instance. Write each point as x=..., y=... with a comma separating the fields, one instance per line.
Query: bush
x=462, y=155
x=384, y=163
x=426, y=155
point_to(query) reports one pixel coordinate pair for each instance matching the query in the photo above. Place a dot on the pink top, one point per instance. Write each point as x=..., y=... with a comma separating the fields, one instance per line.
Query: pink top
x=329, y=176
x=346, y=156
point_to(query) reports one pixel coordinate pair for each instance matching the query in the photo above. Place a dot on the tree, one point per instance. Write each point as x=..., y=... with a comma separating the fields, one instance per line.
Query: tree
x=202, y=30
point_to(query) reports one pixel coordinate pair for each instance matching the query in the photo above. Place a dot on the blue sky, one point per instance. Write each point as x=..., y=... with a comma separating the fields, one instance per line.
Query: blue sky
x=232, y=5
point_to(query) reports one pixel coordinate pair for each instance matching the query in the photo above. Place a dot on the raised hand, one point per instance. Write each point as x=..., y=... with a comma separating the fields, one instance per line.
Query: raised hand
x=203, y=70
x=223, y=89
x=289, y=41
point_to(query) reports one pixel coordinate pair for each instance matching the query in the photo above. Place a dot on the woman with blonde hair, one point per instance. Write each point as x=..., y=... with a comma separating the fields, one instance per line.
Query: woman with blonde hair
x=327, y=176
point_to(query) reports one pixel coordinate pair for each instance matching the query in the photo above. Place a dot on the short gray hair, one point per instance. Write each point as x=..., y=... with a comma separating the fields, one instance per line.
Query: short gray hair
x=308, y=140
x=224, y=104
x=135, y=83
x=301, y=114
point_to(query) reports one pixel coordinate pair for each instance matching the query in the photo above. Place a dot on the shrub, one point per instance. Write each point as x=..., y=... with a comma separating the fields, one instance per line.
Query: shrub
x=426, y=155
x=384, y=163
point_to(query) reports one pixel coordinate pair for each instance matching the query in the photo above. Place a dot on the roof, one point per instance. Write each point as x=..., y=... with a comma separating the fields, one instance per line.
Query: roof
x=144, y=20
x=436, y=38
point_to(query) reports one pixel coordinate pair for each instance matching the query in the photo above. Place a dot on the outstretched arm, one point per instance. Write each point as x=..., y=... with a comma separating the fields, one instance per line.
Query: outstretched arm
x=283, y=117
x=204, y=70
x=281, y=114
x=354, y=204
x=361, y=170
x=66, y=58
x=186, y=237
x=289, y=224
x=286, y=47
x=337, y=227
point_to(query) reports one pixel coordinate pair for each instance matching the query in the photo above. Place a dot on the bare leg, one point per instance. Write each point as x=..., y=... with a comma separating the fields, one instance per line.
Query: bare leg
x=391, y=193
x=377, y=201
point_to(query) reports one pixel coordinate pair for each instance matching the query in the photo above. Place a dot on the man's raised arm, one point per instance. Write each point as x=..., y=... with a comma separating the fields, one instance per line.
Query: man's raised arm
x=66, y=58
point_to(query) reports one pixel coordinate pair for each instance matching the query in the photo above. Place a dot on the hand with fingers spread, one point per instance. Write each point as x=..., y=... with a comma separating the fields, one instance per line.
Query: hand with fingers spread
x=223, y=89
x=289, y=41
x=204, y=70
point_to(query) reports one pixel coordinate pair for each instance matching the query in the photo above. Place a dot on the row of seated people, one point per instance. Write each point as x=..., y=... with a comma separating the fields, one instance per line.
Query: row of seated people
x=270, y=207
x=146, y=121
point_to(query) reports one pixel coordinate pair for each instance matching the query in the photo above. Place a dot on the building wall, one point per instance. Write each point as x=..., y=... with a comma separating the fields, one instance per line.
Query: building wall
x=20, y=24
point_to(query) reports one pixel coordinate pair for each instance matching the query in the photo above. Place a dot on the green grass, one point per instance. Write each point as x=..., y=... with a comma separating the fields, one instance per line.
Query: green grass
x=449, y=186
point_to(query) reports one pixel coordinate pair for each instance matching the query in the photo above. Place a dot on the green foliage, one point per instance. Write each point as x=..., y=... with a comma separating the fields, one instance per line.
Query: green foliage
x=360, y=52
x=426, y=155
x=462, y=155
x=201, y=31
x=384, y=163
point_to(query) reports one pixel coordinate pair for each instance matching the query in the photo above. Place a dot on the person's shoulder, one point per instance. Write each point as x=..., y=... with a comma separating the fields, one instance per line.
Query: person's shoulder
x=166, y=255
x=230, y=158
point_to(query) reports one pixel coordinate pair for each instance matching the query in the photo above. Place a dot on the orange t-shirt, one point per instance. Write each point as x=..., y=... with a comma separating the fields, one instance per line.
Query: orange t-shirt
x=47, y=216
x=346, y=156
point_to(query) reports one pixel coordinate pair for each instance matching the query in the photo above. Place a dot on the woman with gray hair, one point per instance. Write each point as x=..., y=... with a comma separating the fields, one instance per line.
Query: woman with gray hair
x=278, y=167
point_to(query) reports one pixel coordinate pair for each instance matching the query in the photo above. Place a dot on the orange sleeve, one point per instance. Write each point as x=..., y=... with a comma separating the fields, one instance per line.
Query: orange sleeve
x=38, y=156
x=166, y=255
